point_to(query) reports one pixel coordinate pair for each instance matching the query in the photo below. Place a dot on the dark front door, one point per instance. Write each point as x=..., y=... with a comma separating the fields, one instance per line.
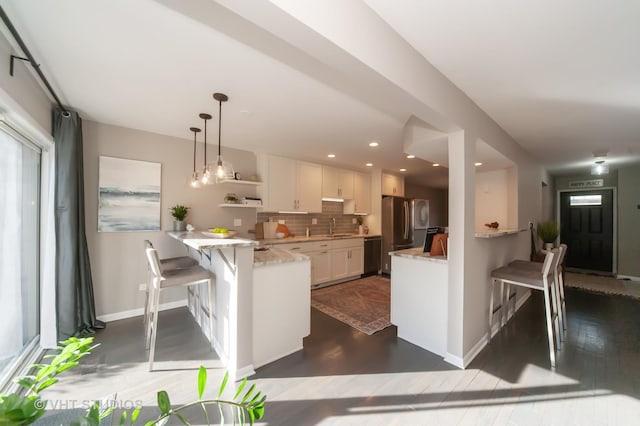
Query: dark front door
x=586, y=227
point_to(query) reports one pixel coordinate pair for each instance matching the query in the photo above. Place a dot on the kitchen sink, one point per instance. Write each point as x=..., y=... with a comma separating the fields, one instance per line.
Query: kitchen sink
x=339, y=235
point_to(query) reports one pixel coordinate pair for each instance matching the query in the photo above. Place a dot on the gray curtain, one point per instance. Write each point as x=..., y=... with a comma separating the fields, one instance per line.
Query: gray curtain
x=75, y=307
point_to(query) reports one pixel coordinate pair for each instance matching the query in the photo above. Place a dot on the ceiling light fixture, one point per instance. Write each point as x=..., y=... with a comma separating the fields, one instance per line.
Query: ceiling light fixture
x=478, y=164
x=411, y=156
x=331, y=156
x=436, y=164
x=206, y=173
x=369, y=164
x=373, y=144
x=195, y=182
x=403, y=170
x=600, y=168
x=223, y=169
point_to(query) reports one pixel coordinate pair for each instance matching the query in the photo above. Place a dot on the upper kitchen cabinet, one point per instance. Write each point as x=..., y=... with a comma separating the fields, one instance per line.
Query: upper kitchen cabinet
x=290, y=185
x=337, y=183
x=392, y=185
x=361, y=202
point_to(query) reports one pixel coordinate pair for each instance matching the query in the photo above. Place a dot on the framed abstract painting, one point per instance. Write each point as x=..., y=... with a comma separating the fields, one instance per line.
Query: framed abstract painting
x=129, y=195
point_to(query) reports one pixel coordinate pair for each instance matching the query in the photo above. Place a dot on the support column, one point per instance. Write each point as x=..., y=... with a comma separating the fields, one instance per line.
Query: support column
x=462, y=149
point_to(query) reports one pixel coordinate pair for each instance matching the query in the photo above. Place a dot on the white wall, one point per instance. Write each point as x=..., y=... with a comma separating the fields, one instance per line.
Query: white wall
x=117, y=259
x=629, y=221
x=492, y=199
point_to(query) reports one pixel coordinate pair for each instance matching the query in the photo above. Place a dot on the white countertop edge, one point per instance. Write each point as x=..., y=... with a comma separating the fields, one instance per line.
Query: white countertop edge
x=498, y=233
x=200, y=241
x=313, y=238
x=417, y=253
x=276, y=256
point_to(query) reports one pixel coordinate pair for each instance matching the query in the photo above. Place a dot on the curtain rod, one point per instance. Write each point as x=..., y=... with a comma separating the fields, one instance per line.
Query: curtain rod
x=30, y=59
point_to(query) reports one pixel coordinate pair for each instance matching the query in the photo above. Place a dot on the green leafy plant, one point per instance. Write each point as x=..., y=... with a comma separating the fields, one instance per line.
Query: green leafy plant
x=17, y=409
x=548, y=231
x=359, y=220
x=179, y=212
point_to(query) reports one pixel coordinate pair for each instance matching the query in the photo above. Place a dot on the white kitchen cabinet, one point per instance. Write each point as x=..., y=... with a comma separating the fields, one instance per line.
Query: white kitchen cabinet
x=308, y=187
x=392, y=185
x=290, y=185
x=361, y=202
x=320, y=266
x=337, y=183
x=355, y=264
x=347, y=258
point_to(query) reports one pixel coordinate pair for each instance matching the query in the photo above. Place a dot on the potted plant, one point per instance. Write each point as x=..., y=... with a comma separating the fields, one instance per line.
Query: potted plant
x=548, y=232
x=179, y=212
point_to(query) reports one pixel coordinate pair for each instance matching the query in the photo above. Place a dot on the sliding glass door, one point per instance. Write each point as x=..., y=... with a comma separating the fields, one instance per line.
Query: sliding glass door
x=19, y=246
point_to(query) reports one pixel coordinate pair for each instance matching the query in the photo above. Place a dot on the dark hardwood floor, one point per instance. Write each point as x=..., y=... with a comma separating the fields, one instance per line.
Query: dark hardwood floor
x=344, y=377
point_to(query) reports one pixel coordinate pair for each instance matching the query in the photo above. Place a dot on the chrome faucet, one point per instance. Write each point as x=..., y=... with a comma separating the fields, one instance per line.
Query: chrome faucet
x=332, y=225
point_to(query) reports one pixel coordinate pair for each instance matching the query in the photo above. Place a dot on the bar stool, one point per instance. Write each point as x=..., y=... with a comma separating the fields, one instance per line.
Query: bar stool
x=168, y=264
x=536, y=280
x=558, y=284
x=162, y=279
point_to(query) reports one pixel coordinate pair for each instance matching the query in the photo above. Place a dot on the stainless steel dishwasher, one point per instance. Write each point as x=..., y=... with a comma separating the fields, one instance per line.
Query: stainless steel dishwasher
x=372, y=255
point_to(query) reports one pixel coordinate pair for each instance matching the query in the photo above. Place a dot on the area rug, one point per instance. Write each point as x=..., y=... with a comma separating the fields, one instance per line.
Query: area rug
x=364, y=304
x=603, y=285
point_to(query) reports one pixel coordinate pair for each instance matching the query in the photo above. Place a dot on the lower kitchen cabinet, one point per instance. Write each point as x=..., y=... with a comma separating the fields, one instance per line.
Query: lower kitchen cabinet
x=332, y=261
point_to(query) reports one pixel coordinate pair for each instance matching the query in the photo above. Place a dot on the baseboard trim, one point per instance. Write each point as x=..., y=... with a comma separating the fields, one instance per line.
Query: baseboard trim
x=243, y=372
x=277, y=357
x=628, y=277
x=140, y=311
x=483, y=341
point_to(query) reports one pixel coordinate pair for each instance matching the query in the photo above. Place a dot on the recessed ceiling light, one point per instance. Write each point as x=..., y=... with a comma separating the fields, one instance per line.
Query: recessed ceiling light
x=436, y=164
x=411, y=156
x=331, y=156
x=403, y=170
x=478, y=164
x=373, y=144
x=369, y=164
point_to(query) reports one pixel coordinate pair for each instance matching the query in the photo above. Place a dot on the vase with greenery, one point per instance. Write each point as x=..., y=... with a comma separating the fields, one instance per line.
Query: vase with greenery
x=179, y=212
x=359, y=220
x=548, y=233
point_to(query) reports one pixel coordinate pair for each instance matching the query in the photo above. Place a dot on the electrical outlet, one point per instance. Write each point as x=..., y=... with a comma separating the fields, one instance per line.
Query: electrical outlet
x=142, y=287
x=281, y=221
x=354, y=221
x=237, y=222
x=314, y=221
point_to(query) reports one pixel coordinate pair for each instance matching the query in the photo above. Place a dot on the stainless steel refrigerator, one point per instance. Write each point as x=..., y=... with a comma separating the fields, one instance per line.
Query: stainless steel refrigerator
x=396, y=228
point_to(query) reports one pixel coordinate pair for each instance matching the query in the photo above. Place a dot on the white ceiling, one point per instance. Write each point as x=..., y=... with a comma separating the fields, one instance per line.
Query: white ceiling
x=561, y=80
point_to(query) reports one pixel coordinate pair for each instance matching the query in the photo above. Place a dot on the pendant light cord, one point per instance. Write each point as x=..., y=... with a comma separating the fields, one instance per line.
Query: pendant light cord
x=194, y=151
x=219, y=128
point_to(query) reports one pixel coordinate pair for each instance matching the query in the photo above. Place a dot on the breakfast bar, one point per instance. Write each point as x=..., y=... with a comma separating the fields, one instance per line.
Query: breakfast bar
x=262, y=300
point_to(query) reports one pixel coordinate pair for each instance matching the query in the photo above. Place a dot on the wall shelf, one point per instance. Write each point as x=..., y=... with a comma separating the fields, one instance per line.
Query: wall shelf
x=240, y=182
x=242, y=206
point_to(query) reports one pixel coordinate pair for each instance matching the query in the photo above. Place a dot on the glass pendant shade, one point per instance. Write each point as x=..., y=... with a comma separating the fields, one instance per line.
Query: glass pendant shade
x=194, y=179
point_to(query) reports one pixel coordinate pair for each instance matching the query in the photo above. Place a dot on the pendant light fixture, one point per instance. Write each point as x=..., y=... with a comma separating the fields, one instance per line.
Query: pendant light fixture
x=223, y=169
x=206, y=174
x=195, y=181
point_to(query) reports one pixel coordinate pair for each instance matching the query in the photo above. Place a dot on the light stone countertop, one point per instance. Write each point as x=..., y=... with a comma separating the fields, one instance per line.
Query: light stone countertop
x=275, y=255
x=200, y=241
x=417, y=253
x=494, y=233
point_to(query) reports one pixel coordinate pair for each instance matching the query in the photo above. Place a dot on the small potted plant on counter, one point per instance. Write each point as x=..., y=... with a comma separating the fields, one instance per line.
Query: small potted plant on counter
x=359, y=220
x=179, y=212
x=548, y=232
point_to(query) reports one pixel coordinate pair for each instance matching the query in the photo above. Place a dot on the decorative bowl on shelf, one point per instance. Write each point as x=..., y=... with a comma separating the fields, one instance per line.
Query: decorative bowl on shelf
x=228, y=234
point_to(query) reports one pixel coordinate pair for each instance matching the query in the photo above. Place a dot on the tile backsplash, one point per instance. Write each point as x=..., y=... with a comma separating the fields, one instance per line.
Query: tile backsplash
x=298, y=223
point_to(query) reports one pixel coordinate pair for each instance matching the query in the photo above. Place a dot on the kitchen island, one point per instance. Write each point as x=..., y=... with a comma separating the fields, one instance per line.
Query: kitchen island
x=419, y=293
x=262, y=301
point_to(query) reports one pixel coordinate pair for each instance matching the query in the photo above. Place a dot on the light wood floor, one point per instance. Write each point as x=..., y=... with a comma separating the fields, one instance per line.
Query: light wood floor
x=345, y=377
